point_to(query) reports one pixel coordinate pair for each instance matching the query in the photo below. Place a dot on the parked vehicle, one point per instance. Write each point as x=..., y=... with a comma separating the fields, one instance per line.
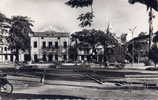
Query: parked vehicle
x=116, y=65
x=152, y=68
x=6, y=88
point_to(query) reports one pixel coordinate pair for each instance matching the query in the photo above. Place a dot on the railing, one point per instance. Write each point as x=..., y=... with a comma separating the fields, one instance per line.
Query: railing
x=53, y=47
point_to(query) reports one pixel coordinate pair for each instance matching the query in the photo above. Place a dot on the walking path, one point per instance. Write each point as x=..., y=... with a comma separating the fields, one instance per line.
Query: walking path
x=136, y=66
x=6, y=65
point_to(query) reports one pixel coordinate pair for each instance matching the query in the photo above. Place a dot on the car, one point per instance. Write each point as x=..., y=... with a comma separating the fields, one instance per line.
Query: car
x=116, y=65
x=152, y=68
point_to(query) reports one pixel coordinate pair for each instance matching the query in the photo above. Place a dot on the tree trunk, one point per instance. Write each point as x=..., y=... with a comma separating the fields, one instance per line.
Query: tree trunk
x=93, y=53
x=155, y=65
x=17, y=56
x=76, y=52
x=104, y=56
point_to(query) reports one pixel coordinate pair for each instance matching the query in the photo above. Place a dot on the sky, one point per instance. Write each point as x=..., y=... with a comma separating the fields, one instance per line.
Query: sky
x=55, y=15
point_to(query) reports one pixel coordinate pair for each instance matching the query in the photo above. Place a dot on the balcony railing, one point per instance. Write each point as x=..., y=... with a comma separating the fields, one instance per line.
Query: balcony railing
x=53, y=47
x=54, y=50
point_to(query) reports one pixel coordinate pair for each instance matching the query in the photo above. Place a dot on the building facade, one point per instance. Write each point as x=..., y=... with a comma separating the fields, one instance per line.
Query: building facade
x=138, y=49
x=7, y=55
x=49, y=46
x=85, y=53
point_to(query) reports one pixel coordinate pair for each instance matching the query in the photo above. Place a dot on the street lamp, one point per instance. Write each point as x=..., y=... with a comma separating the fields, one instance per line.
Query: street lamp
x=132, y=31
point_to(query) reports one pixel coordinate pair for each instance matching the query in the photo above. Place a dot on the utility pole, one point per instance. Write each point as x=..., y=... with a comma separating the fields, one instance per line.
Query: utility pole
x=132, y=31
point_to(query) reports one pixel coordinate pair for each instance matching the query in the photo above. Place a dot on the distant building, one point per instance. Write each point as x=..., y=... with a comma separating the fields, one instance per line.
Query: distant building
x=85, y=53
x=99, y=53
x=6, y=54
x=141, y=48
x=49, y=46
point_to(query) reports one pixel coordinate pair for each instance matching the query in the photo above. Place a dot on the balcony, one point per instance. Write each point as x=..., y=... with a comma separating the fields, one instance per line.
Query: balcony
x=52, y=49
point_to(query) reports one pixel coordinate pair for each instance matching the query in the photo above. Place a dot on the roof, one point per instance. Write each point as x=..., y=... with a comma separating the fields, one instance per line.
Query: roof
x=138, y=39
x=144, y=37
x=50, y=34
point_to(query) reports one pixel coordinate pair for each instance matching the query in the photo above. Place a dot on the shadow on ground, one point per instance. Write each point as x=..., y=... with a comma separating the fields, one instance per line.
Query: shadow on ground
x=37, y=96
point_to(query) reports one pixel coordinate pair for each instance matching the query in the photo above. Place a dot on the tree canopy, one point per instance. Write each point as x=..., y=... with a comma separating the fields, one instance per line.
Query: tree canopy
x=18, y=29
x=79, y=3
x=94, y=37
x=19, y=32
x=149, y=3
x=85, y=19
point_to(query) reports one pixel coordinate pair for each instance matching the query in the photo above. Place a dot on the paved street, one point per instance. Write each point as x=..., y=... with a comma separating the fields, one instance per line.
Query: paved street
x=72, y=83
x=81, y=92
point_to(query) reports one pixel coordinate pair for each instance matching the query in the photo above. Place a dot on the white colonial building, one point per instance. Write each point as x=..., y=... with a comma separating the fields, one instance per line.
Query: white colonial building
x=49, y=46
x=7, y=55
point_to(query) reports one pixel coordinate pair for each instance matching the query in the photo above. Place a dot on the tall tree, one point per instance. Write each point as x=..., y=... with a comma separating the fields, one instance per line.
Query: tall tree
x=88, y=36
x=93, y=38
x=86, y=19
x=19, y=34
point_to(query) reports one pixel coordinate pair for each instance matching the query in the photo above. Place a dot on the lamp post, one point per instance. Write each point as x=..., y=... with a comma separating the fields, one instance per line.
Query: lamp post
x=132, y=31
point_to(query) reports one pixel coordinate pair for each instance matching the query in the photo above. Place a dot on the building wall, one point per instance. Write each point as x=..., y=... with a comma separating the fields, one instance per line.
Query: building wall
x=85, y=55
x=6, y=56
x=39, y=51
